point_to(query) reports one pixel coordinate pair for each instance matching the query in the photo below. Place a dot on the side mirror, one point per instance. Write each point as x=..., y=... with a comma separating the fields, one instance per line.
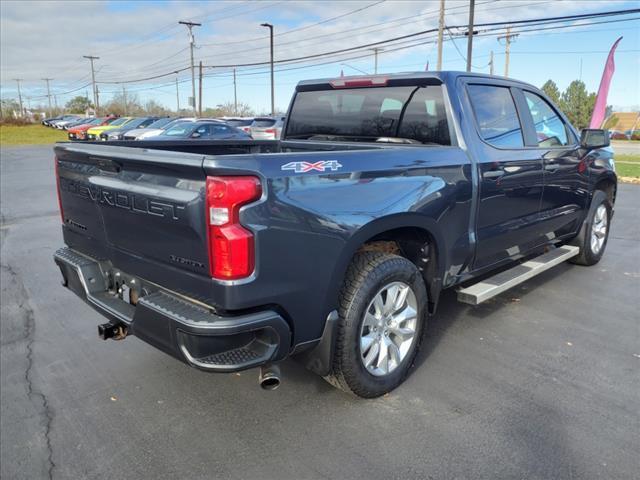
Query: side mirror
x=195, y=135
x=594, y=138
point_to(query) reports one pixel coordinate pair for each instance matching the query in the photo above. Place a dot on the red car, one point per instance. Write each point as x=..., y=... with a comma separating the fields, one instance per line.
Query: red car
x=80, y=132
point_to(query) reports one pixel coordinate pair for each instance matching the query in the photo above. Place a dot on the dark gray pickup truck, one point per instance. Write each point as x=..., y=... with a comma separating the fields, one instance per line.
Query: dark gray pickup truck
x=333, y=245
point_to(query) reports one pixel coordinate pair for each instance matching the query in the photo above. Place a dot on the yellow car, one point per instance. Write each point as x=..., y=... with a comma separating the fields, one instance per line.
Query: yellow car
x=93, y=134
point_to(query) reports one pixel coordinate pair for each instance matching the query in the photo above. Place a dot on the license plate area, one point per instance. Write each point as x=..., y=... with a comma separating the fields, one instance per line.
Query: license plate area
x=128, y=288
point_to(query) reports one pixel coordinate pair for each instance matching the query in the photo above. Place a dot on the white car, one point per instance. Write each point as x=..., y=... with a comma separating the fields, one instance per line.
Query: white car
x=158, y=125
x=267, y=128
x=243, y=123
x=150, y=133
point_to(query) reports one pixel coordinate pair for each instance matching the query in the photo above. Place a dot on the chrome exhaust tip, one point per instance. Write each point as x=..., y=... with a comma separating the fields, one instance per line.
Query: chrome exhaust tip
x=269, y=378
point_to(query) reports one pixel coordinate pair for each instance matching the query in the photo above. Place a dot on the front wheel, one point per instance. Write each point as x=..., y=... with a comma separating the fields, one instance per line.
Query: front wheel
x=383, y=304
x=594, y=233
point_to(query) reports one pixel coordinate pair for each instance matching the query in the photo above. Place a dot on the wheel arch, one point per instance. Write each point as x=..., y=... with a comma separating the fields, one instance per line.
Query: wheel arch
x=398, y=228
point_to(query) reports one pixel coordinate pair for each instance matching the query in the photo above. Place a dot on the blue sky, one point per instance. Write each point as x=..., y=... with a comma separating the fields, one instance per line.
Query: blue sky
x=141, y=39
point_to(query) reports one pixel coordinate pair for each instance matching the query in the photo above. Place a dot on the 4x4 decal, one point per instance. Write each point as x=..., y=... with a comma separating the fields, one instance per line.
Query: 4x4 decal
x=321, y=166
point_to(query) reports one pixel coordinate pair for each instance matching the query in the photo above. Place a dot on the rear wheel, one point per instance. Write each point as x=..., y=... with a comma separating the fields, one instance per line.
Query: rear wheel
x=594, y=233
x=382, y=310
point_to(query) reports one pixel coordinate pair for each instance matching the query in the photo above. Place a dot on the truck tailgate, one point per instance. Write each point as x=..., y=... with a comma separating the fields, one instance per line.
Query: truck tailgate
x=145, y=204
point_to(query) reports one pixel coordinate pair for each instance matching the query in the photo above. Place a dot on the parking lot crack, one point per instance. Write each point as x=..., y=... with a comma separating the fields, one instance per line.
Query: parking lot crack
x=37, y=397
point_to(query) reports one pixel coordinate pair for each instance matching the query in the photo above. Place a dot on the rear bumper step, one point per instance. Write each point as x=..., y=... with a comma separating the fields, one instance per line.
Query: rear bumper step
x=176, y=326
x=503, y=281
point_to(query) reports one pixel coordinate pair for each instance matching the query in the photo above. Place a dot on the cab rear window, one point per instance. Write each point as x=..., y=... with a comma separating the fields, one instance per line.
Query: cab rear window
x=368, y=114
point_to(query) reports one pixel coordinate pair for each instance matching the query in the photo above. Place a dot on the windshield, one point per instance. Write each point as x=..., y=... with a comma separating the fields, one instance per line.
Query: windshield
x=179, y=129
x=138, y=122
x=161, y=122
x=120, y=121
x=368, y=114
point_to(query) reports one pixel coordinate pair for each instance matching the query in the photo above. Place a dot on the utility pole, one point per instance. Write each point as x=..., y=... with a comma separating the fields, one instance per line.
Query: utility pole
x=55, y=101
x=491, y=63
x=375, y=61
x=18, y=80
x=440, y=33
x=48, y=92
x=93, y=81
x=580, y=78
x=200, y=92
x=235, y=94
x=273, y=102
x=124, y=100
x=190, y=26
x=177, y=95
x=472, y=4
x=508, y=38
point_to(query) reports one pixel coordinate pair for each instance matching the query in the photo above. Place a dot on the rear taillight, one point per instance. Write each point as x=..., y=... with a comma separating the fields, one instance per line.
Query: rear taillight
x=57, y=174
x=270, y=130
x=231, y=246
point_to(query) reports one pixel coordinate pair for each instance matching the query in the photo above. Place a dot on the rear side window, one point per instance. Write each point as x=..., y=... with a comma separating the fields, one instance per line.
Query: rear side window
x=368, y=114
x=215, y=129
x=425, y=118
x=551, y=131
x=496, y=115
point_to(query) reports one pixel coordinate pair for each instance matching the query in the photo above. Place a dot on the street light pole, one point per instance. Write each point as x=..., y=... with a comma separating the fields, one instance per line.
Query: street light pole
x=273, y=102
x=190, y=26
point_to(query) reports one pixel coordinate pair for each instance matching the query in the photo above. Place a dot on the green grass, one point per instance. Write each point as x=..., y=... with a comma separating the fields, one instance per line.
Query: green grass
x=30, y=135
x=628, y=165
x=628, y=157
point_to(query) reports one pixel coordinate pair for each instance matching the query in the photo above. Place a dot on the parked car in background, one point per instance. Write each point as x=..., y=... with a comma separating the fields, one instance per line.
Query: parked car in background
x=243, y=123
x=267, y=128
x=153, y=133
x=617, y=135
x=75, y=123
x=156, y=127
x=203, y=130
x=64, y=120
x=157, y=131
x=47, y=121
x=79, y=132
x=118, y=133
x=62, y=124
x=94, y=133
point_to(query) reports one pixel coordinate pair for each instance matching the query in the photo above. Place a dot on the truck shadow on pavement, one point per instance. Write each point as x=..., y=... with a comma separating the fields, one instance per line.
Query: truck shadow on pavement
x=450, y=311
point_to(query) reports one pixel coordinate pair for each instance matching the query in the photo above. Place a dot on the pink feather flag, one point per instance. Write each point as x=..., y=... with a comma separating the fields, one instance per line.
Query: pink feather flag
x=597, y=117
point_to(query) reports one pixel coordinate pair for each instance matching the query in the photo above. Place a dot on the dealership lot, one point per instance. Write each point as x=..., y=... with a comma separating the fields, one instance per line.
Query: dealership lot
x=542, y=382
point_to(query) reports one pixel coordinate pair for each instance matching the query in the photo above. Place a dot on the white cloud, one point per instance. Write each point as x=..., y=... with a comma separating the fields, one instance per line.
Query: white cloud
x=139, y=39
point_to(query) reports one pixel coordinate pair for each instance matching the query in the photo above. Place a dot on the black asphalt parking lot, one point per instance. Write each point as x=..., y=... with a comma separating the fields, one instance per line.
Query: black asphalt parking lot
x=542, y=382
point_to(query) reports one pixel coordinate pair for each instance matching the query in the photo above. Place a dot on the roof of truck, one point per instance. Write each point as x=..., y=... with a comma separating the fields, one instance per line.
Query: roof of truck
x=435, y=75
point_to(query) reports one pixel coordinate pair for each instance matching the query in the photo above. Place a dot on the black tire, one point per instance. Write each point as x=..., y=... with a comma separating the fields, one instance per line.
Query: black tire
x=367, y=275
x=587, y=255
